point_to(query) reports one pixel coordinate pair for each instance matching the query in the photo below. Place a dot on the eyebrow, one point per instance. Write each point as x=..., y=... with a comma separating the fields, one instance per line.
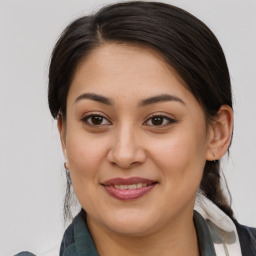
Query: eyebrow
x=95, y=97
x=145, y=102
x=161, y=98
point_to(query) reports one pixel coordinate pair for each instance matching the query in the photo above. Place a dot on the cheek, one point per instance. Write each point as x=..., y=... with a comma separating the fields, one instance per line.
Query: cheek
x=182, y=157
x=84, y=154
x=85, y=158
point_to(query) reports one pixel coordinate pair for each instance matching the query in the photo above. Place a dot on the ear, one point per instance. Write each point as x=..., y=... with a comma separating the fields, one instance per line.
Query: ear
x=220, y=133
x=62, y=131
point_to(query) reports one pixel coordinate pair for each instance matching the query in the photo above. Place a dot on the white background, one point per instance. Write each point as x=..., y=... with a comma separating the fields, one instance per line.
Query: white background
x=31, y=162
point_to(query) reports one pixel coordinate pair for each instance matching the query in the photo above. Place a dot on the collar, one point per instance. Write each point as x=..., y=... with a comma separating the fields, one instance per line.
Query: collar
x=222, y=229
x=77, y=240
x=206, y=246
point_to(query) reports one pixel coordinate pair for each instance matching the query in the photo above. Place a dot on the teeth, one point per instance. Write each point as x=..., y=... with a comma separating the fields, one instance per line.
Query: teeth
x=132, y=186
x=139, y=185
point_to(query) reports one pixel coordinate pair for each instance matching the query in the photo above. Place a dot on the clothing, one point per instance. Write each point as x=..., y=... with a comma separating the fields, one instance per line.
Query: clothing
x=218, y=235
x=73, y=243
x=226, y=234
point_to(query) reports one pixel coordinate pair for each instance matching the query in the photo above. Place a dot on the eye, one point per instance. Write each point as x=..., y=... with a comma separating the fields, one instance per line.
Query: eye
x=95, y=120
x=159, y=120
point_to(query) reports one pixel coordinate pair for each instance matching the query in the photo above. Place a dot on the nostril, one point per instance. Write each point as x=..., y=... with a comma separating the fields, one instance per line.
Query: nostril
x=126, y=157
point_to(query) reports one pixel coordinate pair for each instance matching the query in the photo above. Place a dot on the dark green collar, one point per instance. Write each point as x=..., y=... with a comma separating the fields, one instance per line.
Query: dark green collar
x=205, y=242
x=77, y=240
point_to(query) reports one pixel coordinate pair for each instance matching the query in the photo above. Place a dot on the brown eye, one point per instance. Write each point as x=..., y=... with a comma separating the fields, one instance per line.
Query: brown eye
x=159, y=121
x=95, y=120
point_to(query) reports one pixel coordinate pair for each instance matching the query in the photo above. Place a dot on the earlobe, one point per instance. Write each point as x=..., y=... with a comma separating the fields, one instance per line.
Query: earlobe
x=220, y=133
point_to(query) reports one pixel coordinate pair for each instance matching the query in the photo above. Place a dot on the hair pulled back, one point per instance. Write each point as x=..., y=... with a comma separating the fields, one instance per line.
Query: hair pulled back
x=186, y=44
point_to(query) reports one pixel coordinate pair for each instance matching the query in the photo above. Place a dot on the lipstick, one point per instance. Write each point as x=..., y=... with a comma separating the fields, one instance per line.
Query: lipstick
x=128, y=188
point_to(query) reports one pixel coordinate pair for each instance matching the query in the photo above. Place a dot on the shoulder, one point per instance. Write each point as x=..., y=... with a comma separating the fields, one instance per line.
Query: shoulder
x=246, y=232
x=247, y=237
x=25, y=254
x=226, y=229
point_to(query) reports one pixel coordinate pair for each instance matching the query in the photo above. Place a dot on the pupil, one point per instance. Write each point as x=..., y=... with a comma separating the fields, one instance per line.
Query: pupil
x=157, y=120
x=97, y=120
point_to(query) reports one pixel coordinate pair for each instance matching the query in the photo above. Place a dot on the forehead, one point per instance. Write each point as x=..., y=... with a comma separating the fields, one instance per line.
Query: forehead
x=120, y=69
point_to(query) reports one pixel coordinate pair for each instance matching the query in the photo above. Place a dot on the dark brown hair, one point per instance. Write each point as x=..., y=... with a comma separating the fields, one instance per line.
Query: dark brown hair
x=184, y=41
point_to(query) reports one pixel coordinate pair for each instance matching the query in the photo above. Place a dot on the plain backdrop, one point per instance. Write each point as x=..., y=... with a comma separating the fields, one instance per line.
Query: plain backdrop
x=31, y=162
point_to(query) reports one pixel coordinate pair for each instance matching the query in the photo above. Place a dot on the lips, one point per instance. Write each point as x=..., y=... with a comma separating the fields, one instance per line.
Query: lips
x=128, y=189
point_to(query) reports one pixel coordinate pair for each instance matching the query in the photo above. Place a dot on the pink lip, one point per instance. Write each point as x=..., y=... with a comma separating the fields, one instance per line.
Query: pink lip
x=128, y=194
x=127, y=181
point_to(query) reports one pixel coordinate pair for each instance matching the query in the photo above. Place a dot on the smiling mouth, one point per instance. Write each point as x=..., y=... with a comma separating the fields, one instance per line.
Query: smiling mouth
x=132, y=186
x=128, y=189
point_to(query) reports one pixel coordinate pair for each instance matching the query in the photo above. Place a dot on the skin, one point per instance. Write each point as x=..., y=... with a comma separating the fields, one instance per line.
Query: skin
x=127, y=143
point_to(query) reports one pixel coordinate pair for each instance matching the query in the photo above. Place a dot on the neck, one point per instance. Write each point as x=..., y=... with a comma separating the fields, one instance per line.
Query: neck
x=178, y=238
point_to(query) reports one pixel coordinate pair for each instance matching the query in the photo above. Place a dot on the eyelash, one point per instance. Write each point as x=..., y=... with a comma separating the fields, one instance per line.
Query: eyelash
x=167, y=120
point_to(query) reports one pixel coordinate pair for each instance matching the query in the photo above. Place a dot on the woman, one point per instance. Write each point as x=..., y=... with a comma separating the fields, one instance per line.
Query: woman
x=142, y=97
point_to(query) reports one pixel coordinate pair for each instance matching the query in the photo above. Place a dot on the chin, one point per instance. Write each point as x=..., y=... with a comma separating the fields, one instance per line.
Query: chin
x=130, y=223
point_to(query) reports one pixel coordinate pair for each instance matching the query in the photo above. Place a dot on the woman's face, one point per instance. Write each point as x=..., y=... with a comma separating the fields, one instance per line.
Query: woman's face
x=135, y=141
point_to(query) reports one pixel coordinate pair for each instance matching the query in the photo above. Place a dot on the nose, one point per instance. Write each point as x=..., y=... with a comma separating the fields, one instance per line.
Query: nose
x=127, y=149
